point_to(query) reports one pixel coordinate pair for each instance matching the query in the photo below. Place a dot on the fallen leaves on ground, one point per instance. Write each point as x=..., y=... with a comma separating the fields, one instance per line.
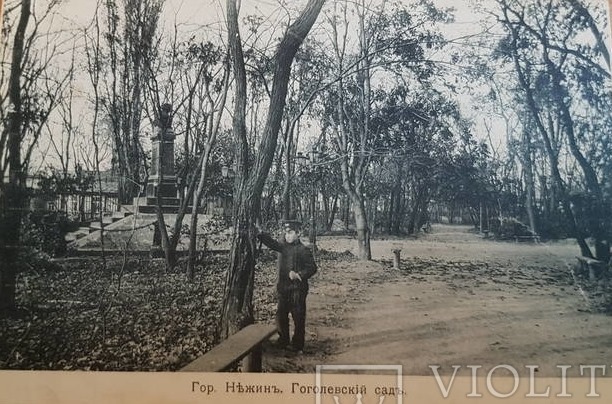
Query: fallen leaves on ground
x=89, y=317
x=84, y=315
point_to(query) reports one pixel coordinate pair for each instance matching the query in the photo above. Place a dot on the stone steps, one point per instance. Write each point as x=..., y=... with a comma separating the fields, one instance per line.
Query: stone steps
x=147, y=204
x=96, y=225
x=77, y=234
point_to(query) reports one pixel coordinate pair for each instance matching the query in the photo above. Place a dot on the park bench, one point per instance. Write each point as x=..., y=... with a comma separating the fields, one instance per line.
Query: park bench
x=594, y=267
x=535, y=239
x=245, y=344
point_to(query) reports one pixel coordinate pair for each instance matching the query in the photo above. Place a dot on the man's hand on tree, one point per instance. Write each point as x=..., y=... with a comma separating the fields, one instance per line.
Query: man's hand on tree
x=294, y=275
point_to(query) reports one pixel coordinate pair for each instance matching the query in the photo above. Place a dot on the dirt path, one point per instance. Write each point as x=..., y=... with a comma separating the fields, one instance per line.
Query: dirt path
x=456, y=300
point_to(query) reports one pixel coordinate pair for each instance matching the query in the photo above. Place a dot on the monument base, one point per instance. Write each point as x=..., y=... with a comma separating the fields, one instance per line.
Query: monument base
x=167, y=188
x=167, y=196
x=145, y=204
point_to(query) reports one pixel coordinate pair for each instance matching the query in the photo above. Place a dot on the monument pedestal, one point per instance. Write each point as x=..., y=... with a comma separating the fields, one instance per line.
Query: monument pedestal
x=161, y=185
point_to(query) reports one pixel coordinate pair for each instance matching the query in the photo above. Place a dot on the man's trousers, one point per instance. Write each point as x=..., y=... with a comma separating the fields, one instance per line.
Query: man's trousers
x=292, y=301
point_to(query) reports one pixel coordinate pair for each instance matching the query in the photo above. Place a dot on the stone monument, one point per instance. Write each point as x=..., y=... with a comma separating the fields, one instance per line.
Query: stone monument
x=162, y=177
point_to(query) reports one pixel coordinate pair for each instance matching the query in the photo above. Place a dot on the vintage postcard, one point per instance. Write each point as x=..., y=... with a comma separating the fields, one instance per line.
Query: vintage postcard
x=313, y=201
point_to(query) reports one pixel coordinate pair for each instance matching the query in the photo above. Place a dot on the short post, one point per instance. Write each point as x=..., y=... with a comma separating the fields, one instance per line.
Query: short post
x=396, y=258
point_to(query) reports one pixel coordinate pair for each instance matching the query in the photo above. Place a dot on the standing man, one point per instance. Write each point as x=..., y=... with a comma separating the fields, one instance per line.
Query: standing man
x=295, y=266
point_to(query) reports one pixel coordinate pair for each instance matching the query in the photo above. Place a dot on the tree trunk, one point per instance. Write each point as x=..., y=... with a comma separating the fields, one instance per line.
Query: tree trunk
x=421, y=218
x=13, y=194
x=238, y=296
x=169, y=252
x=553, y=160
x=213, y=130
x=415, y=214
x=597, y=227
x=396, y=216
x=289, y=173
x=361, y=225
x=373, y=209
x=331, y=213
x=530, y=191
x=238, y=293
x=193, y=227
x=312, y=237
x=389, y=211
x=346, y=211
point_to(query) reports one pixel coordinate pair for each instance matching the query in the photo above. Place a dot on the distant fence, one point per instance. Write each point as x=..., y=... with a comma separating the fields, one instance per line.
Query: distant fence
x=84, y=207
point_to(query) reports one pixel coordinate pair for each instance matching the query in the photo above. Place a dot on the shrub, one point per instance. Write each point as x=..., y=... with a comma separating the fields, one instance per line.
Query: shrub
x=46, y=231
x=509, y=228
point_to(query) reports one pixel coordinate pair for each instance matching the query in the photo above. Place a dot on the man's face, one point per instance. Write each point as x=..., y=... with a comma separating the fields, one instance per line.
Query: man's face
x=291, y=235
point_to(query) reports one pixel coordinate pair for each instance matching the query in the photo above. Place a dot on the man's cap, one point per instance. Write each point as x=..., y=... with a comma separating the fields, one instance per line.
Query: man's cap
x=292, y=225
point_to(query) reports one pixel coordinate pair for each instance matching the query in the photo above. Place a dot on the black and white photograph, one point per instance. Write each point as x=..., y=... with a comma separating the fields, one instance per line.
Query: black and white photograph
x=272, y=186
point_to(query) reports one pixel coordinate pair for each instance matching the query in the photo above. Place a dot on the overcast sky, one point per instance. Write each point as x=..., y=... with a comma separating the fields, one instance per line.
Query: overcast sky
x=191, y=16
x=197, y=13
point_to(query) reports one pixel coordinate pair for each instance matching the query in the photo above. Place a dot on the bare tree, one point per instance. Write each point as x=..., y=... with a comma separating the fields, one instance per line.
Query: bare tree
x=252, y=171
x=29, y=95
x=558, y=76
x=130, y=35
x=351, y=129
x=214, y=120
x=199, y=97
